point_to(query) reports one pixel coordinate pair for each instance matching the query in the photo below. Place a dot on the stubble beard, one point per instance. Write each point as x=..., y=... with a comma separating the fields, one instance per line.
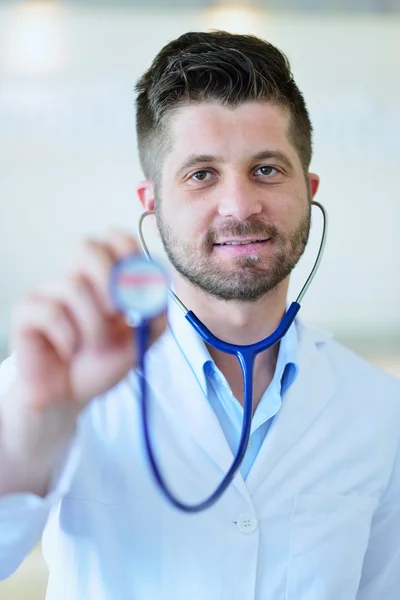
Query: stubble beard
x=249, y=277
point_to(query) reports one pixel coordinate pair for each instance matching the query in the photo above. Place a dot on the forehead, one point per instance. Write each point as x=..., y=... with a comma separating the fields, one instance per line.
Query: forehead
x=232, y=133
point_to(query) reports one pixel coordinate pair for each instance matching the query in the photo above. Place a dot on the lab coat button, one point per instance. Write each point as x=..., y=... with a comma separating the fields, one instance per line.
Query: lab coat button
x=247, y=523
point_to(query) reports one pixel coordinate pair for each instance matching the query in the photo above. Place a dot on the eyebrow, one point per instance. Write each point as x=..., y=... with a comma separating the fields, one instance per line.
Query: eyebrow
x=275, y=155
x=197, y=159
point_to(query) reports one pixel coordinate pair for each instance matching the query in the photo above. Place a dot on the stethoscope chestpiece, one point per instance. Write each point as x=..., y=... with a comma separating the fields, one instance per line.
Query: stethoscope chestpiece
x=138, y=288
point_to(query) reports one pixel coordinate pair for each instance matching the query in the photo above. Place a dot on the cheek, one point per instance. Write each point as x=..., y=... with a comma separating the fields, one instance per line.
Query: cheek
x=291, y=208
x=182, y=223
x=283, y=213
x=186, y=219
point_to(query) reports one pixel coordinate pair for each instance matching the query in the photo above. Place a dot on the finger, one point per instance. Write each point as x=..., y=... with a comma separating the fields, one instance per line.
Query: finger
x=49, y=318
x=122, y=243
x=77, y=295
x=97, y=259
x=95, y=262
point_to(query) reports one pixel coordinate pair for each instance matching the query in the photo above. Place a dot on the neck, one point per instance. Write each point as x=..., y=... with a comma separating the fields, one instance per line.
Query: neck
x=239, y=323
x=233, y=321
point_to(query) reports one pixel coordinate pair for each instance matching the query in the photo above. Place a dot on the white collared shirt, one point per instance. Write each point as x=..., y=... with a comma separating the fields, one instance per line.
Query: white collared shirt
x=216, y=389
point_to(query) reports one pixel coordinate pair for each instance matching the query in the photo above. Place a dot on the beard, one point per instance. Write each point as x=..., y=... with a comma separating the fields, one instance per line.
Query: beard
x=247, y=278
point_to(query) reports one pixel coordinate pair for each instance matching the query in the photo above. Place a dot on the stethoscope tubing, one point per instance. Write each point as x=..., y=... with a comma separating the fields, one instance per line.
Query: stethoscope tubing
x=246, y=355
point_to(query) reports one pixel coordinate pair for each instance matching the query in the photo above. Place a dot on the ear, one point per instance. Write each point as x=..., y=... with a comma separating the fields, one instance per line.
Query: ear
x=145, y=191
x=313, y=182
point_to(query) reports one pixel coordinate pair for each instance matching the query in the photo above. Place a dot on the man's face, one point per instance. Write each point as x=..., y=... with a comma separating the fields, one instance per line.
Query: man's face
x=233, y=205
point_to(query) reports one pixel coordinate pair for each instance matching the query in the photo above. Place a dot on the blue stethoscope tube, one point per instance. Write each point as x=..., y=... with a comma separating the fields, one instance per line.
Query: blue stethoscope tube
x=246, y=355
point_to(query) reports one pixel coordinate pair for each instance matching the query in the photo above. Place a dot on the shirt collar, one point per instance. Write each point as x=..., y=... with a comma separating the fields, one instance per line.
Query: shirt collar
x=287, y=364
x=198, y=356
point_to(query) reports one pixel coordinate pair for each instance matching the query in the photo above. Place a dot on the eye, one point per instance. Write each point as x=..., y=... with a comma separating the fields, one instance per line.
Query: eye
x=202, y=176
x=266, y=171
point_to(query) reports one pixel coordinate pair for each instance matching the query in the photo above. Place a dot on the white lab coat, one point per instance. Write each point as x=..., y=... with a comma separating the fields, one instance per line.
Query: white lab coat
x=318, y=517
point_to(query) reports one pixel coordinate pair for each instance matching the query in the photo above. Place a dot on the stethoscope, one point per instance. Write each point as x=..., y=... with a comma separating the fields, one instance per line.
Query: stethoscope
x=140, y=291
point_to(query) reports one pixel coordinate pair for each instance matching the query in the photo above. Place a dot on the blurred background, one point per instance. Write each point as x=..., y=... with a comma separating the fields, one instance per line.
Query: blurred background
x=68, y=161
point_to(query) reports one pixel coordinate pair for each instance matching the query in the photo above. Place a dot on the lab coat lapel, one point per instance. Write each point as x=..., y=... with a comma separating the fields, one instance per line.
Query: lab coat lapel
x=176, y=388
x=303, y=402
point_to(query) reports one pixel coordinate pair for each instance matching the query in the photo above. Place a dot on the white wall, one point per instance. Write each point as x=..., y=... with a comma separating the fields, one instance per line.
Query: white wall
x=68, y=163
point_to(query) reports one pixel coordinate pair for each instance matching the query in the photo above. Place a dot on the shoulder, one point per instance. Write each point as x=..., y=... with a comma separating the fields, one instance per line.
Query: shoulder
x=349, y=364
x=351, y=371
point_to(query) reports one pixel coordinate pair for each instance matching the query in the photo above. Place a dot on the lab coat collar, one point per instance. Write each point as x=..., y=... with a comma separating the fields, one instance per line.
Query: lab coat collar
x=180, y=387
x=305, y=399
x=190, y=343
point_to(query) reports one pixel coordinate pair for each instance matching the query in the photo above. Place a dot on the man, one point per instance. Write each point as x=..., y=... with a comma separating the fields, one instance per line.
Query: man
x=225, y=144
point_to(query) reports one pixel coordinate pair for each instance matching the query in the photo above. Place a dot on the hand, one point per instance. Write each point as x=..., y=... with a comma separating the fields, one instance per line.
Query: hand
x=70, y=342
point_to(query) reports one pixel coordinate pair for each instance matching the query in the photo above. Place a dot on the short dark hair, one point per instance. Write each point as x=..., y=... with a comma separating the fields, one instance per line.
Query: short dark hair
x=215, y=66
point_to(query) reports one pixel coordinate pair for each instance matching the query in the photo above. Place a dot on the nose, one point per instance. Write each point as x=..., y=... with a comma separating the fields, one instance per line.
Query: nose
x=239, y=199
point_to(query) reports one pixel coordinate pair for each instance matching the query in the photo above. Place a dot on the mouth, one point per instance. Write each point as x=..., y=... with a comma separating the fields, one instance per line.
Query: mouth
x=240, y=242
x=242, y=246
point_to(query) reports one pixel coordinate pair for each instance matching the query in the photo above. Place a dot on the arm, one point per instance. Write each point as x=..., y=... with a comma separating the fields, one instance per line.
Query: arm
x=28, y=469
x=32, y=443
x=70, y=347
